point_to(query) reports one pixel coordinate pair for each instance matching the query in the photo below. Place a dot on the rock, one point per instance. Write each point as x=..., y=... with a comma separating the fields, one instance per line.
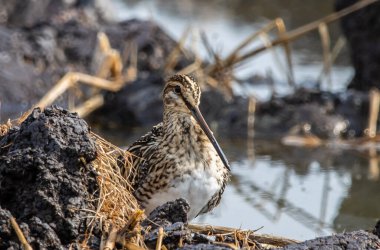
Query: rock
x=204, y=247
x=168, y=214
x=352, y=240
x=326, y=115
x=44, y=181
x=20, y=13
x=376, y=231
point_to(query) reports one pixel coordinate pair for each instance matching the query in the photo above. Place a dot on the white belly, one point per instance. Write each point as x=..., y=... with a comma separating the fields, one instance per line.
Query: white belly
x=197, y=188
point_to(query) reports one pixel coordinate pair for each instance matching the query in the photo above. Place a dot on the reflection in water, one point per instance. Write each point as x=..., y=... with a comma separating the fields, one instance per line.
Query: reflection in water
x=227, y=23
x=299, y=193
x=294, y=192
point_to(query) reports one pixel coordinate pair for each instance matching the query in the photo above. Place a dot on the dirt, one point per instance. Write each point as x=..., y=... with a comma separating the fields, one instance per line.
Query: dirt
x=167, y=214
x=352, y=240
x=46, y=179
x=376, y=230
x=362, y=30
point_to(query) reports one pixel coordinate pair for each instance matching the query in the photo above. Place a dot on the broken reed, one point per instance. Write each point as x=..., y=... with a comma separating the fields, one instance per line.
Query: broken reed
x=220, y=72
x=117, y=209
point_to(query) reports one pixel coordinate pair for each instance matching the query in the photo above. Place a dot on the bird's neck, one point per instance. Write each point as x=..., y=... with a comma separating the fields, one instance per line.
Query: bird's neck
x=177, y=121
x=181, y=126
x=181, y=131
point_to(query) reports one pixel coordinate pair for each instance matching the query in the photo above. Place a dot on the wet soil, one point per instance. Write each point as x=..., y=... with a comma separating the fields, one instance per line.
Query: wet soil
x=362, y=29
x=352, y=240
x=46, y=180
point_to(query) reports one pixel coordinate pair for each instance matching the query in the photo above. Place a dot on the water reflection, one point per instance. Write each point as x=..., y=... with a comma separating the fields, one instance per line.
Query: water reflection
x=227, y=23
x=294, y=192
x=299, y=193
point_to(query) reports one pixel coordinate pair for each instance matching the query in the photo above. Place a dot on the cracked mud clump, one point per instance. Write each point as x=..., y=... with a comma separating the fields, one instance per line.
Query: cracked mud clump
x=45, y=179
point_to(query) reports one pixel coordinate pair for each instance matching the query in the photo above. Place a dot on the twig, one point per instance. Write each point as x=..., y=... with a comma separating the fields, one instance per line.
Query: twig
x=110, y=243
x=325, y=39
x=251, y=127
x=334, y=54
x=262, y=238
x=281, y=27
x=89, y=106
x=160, y=238
x=20, y=234
x=374, y=97
x=296, y=33
x=173, y=56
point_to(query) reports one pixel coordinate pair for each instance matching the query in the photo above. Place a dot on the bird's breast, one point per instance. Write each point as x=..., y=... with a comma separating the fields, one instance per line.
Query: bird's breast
x=196, y=183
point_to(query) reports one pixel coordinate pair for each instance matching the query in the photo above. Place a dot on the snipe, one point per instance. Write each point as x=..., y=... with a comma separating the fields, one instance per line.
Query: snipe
x=179, y=157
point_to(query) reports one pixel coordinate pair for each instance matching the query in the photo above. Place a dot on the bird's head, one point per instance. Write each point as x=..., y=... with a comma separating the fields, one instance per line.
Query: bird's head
x=182, y=94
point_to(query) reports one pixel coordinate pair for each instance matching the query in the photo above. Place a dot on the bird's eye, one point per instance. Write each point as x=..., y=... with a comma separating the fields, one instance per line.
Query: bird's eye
x=177, y=89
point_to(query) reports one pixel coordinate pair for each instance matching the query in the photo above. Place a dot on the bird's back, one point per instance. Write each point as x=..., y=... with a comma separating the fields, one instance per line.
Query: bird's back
x=142, y=150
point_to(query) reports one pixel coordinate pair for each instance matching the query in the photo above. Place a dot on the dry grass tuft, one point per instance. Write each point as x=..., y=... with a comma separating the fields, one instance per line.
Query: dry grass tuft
x=4, y=128
x=117, y=209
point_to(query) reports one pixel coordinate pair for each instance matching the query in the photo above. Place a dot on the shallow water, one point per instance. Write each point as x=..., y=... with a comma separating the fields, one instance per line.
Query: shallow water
x=294, y=192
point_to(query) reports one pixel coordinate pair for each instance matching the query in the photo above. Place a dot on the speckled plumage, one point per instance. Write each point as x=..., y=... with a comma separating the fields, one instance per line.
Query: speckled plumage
x=176, y=159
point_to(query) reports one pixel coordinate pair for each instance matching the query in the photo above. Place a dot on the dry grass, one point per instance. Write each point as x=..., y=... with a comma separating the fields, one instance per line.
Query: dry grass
x=4, y=128
x=117, y=209
x=220, y=72
x=243, y=239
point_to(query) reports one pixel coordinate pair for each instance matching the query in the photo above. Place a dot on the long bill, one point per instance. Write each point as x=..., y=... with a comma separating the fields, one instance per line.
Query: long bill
x=199, y=118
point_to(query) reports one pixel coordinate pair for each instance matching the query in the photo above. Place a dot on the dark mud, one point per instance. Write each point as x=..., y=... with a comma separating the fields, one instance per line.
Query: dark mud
x=45, y=179
x=362, y=30
x=307, y=111
x=352, y=240
x=172, y=216
x=167, y=214
x=376, y=231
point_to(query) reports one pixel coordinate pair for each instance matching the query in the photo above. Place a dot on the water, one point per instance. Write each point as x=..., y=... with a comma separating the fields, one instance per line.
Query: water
x=300, y=195
x=293, y=192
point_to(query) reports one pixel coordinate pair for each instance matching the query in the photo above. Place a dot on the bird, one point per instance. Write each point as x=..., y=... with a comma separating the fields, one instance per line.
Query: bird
x=180, y=157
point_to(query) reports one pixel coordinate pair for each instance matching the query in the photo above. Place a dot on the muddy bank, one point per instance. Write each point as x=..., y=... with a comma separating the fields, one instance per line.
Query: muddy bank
x=46, y=179
x=362, y=30
x=352, y=240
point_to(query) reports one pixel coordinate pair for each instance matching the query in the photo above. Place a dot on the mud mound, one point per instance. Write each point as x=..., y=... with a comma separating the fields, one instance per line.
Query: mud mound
x=352, y=240
x=45, y=182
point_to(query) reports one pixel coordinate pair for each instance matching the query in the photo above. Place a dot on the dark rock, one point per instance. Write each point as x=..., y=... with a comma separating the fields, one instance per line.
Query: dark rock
x=362, y=30
x=168, y=214
x=32, y=13
x=173, y=235
x=376, y=231
x=324, y=114
x=8, y=239
x=44, y=183
x=204, y=247
x=352, y=240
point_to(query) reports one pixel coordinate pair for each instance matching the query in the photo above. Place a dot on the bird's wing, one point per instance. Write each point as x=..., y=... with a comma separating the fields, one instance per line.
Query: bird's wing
x=142, y=149
x=215, y=199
